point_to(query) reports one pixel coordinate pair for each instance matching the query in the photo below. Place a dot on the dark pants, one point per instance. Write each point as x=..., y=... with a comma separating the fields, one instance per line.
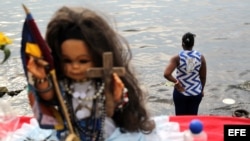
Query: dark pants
x=186, y=105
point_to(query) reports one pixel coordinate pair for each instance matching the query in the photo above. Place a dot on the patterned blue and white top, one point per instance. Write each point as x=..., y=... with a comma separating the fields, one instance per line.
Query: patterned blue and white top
x=188, y=72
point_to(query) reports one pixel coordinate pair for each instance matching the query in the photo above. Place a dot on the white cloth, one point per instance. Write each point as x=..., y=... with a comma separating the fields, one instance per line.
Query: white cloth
x=31, y=131
x=86, y=89
x=164, y=131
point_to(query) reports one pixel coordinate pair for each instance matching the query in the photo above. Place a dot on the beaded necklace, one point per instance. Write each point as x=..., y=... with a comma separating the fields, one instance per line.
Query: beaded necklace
x=94, y=125
x=69, y=90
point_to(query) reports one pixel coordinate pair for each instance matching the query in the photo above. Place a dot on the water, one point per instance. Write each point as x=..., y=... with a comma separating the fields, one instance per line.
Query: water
x=154, y=29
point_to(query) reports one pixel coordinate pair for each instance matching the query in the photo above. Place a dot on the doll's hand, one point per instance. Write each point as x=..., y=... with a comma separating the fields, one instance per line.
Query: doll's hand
x=36, y=67
x=118, y=87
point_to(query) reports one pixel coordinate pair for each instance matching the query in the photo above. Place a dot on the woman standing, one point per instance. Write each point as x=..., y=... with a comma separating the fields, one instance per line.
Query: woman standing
x=190, y=77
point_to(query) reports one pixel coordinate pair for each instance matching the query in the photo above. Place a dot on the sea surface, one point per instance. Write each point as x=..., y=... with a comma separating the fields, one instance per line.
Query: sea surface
x=154, y=29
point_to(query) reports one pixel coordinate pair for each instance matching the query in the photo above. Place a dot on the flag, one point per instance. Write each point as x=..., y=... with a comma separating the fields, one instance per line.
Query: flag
x=33, y=44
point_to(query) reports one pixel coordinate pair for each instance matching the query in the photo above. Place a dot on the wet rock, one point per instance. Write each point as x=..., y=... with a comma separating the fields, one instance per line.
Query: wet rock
x=244, y=86
x=4, y=90
x=13, y=93
x=241, y=113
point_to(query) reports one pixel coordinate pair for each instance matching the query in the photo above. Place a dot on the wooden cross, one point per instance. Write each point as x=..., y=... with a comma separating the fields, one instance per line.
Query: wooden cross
x=105, y=73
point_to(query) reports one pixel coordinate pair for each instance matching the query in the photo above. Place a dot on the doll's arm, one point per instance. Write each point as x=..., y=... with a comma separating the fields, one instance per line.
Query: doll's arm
x=42, y=82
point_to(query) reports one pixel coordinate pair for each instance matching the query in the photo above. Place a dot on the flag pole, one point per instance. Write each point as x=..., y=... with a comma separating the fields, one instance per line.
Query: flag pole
x=72, y=135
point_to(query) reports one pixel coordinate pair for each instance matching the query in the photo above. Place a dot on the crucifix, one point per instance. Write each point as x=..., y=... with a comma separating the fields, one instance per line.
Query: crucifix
x=105, y=73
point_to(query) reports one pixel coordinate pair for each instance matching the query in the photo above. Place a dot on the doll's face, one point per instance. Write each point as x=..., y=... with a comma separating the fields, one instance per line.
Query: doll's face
x=76, y=59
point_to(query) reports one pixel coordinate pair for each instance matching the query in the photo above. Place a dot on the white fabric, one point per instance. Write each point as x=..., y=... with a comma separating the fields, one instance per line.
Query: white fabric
x=83, y=90
x=164, y=131
x=109, y=127
x=31, y=131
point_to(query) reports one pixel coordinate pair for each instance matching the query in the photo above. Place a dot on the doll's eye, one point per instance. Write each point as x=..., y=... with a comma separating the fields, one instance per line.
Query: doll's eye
x=83, y=61
x=67, y=61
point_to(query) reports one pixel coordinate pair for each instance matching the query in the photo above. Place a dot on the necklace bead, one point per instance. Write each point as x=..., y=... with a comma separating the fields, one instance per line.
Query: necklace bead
x=91, y=132
x=69, y=90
